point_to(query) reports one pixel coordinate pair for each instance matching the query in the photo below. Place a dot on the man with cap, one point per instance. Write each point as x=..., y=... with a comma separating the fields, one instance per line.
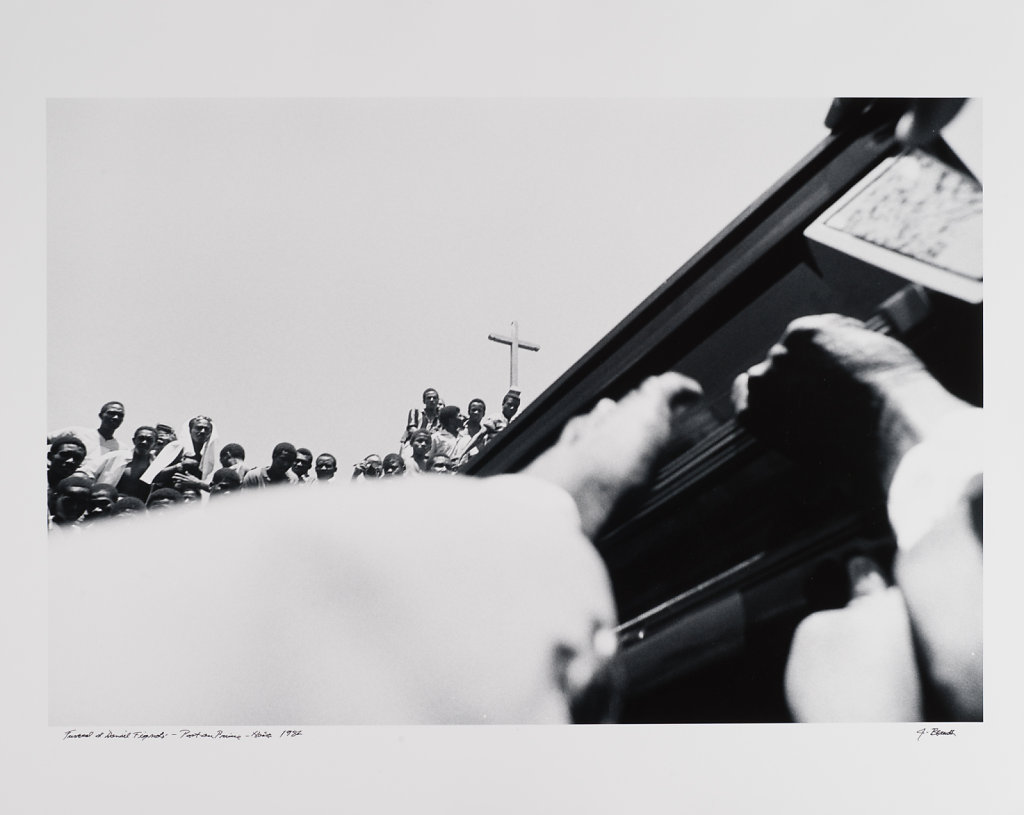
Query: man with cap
x=510, y=404
x=164, y=434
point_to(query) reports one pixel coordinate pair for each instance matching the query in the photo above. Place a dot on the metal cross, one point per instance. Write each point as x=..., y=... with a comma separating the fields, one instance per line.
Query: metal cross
x=516, y=344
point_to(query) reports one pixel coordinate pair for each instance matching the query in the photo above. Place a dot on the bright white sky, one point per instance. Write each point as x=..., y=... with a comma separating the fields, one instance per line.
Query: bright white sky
x=300, y=270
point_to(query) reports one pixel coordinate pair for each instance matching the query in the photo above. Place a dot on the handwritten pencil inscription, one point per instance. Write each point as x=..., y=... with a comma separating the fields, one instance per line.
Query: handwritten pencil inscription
x=934, y=731
x=187, y=735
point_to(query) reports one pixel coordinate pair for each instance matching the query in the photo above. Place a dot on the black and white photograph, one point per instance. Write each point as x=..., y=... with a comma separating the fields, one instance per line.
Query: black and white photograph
x=546, y=434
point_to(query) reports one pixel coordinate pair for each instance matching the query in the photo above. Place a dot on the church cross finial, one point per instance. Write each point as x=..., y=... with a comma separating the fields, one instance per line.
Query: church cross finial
x=515, y=344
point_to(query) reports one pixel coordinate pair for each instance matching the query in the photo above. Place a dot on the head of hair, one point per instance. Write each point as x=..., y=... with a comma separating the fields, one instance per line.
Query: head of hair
x=227, y=475
x=421, y=432
x=71, y=481
x=393, y=459
x=305, y=451
x=128, y=503
x=143, y=427
x=105, y=489
x=165, y=494
x=449, y=415
x=481, y=402
x=112, y=402
x=233, y=449
x=429, y=390
x=68, y=438
x=283, y=447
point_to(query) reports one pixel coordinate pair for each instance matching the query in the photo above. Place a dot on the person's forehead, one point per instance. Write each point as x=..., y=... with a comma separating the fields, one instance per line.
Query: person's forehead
x=112, y=407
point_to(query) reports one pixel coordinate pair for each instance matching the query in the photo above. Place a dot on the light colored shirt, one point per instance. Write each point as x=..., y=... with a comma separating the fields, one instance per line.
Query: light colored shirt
x=328, y=607
x=258, y=477
x=111, y=466
x=448, y=444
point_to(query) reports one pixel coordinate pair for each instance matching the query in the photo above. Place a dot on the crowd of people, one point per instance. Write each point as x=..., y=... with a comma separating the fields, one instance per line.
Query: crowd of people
x=91, y=476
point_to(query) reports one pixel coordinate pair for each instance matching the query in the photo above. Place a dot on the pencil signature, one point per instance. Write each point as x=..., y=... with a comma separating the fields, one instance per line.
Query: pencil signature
x=934, y=731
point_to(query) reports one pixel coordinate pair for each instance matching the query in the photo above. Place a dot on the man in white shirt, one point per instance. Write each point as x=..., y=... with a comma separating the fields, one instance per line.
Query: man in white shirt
x=449, y=440
x=98, y=441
